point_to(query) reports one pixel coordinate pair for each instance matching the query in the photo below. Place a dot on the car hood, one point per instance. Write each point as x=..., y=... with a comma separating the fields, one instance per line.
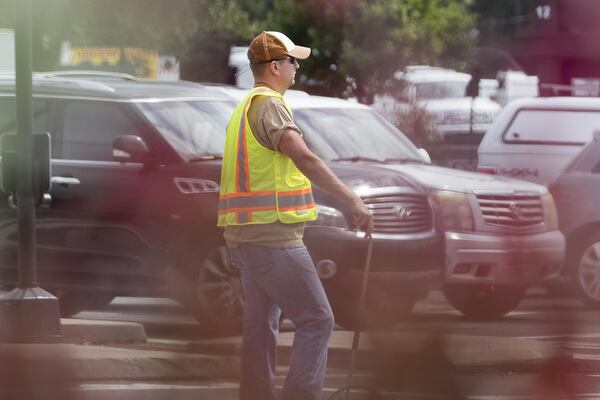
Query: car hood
x=434, y=177
x=360, y=175
x=426, y=177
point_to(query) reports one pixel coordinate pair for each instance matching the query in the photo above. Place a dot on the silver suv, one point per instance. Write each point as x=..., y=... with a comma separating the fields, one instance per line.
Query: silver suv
x=500, y=235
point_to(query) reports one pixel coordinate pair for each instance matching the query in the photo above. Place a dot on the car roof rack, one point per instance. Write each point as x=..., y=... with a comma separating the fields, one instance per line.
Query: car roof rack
x=85, y=74
x=49, y=79
x=555, y=89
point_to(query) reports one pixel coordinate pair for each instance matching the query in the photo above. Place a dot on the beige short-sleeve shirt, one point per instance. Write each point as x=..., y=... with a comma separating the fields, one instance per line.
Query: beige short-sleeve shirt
x=268, y=118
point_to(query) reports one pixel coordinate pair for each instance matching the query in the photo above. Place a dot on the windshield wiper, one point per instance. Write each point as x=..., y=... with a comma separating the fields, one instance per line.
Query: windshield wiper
x=358, y=158
x=206, y=157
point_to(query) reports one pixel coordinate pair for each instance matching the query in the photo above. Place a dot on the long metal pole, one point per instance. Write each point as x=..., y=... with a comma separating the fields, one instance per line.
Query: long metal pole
x=26, y=210
x=28, y=314
x=360, y=317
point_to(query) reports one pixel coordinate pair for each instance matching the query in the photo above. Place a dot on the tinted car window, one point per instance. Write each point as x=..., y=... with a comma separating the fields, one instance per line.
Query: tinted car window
x=552, y=127
x=193, y=128
x=8, y=115
x=90, y=127
x=440, y=90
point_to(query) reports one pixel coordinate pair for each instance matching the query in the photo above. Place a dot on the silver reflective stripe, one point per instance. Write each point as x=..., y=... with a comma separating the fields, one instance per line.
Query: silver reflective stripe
x=242, y=217
x=263, y=200
x=241, y=157
x=296, y=200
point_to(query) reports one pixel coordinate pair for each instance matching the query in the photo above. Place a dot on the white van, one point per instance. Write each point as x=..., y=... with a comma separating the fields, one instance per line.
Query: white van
x=536, y=138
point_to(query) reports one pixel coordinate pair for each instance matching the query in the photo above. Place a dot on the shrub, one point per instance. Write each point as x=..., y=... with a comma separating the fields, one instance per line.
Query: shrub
x=419, y=125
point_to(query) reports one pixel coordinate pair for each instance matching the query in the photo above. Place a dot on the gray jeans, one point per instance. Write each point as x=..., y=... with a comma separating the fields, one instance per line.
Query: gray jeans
x=276, y=280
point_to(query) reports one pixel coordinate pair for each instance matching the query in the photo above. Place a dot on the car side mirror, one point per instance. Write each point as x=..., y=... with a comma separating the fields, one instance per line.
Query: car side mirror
x=130, y=148
x=424, y=155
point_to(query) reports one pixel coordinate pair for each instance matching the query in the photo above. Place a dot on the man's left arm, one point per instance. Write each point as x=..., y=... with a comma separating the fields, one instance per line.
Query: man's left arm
x=292, y=145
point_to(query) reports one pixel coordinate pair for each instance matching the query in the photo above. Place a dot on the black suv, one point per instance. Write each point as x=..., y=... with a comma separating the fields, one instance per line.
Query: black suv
x=135, y=172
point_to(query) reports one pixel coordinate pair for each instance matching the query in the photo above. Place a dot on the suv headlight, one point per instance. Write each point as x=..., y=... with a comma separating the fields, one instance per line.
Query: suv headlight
x=330, y=217
x=453, y=210
x=550, y=213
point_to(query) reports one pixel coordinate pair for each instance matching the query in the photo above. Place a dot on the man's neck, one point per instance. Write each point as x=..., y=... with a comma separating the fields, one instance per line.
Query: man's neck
x=270, y=85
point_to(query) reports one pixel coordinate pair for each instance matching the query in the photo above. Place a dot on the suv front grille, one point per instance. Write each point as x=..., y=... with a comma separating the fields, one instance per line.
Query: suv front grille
x=511, y=210
x=400, y=213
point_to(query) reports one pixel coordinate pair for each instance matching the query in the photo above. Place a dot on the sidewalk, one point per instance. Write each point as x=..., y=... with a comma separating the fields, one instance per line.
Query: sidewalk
x=104, y=350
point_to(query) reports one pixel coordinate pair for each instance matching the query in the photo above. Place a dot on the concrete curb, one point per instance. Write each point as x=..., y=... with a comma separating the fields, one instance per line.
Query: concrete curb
x=89, y=363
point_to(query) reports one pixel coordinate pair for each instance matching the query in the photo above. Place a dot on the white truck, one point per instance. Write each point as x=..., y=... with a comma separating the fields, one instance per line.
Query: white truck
x=442, y=92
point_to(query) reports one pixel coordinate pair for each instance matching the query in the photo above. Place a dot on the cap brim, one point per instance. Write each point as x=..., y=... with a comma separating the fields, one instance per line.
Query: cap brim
x=299, y=52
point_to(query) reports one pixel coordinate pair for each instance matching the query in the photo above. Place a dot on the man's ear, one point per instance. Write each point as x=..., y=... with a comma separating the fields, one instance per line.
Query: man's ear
x=274, y=67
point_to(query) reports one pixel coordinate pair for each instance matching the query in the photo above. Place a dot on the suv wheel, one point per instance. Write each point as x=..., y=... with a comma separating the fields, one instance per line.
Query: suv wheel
x=584, y=269
x=209, y=286
x=484, y=302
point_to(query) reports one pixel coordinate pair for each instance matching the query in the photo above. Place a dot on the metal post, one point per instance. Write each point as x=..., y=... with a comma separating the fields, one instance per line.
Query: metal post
x=27, y=313
x=26, y=211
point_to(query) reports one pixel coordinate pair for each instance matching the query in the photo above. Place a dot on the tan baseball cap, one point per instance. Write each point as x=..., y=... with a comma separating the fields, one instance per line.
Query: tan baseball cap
x=270, y=45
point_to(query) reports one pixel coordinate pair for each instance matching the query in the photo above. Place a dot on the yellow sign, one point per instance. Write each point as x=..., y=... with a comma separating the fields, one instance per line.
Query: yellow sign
x=136, y=61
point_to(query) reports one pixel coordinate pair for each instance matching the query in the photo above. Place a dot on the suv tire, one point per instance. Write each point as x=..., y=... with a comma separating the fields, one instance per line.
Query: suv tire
x=584, y=270
x=483, y=302
x=207, y=284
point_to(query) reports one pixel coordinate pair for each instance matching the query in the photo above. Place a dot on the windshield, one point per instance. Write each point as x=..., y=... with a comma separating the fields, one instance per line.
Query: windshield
x=440, y=90
x=194, y=128
x=346, y=133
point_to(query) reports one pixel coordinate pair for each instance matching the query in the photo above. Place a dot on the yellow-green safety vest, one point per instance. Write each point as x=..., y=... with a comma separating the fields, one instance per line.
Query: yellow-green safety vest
x=259, y=185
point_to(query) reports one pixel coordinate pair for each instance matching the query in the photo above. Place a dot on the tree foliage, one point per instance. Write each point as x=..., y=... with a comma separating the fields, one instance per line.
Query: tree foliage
x=359, y=44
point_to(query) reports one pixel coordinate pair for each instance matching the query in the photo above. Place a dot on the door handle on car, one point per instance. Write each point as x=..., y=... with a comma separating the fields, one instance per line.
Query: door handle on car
x=64, y=180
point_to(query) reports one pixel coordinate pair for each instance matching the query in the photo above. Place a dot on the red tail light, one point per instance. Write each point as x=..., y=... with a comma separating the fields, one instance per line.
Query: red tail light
x=487, y=170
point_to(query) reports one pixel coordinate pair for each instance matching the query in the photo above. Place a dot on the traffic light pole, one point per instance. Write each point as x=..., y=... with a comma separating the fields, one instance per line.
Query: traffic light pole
x=28, y=314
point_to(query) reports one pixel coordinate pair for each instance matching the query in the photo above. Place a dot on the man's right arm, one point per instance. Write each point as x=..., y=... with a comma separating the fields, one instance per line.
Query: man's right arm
x=292, y=145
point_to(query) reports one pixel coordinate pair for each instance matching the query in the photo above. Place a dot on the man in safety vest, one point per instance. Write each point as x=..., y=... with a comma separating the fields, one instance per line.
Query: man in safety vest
x=264, y=202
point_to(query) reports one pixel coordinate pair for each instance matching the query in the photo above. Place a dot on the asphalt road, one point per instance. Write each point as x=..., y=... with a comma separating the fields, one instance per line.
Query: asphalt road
x=561, y=321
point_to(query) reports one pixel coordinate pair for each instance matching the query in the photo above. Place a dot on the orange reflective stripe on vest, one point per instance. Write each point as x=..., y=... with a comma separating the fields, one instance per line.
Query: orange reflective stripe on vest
x=290, y=200
x=242, y=169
